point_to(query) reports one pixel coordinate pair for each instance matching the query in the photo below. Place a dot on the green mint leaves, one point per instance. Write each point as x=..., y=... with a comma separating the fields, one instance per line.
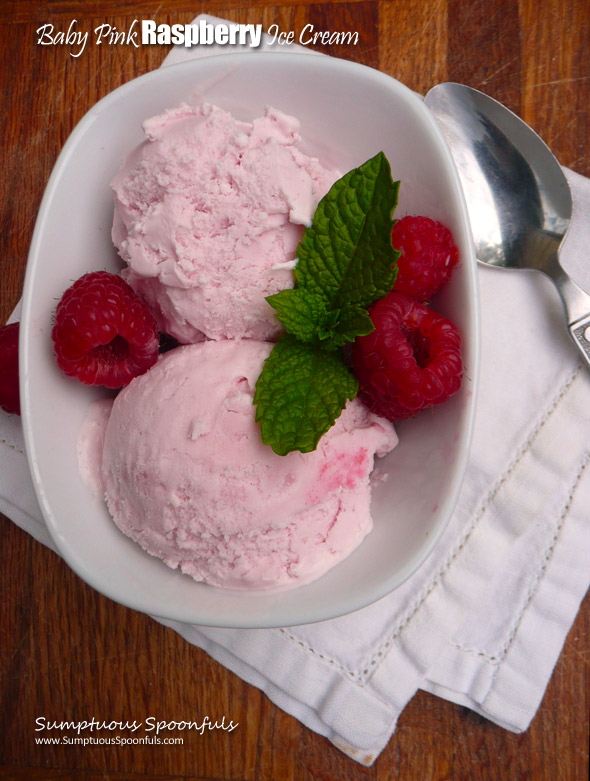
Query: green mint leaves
x=346, y=255
x=300, y=393
x=345, y=263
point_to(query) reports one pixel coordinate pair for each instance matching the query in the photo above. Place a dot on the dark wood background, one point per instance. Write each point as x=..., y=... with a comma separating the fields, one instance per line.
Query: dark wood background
x=66, y=651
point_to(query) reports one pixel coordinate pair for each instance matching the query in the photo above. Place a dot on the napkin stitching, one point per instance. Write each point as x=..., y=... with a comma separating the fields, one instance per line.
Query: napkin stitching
x=496, y=659
x=487, y=500
x=11, y=445
x=351, y=674
x=547, y=555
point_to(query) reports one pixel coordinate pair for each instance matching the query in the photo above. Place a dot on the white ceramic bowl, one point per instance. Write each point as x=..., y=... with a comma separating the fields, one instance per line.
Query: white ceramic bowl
x=348, y=113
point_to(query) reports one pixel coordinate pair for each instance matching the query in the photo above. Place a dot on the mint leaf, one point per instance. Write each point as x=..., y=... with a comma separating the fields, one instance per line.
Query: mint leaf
x=300, y=392
x=306, y=316
x=301, y=311
x=346, y=255
x=344, y=325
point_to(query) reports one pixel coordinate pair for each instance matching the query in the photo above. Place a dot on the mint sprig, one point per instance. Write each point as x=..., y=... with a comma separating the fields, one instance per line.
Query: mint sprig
x=345, y=263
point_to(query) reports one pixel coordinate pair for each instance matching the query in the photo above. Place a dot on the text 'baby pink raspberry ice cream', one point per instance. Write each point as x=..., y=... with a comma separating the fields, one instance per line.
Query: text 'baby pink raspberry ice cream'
x=209, y=211
x=186, y=475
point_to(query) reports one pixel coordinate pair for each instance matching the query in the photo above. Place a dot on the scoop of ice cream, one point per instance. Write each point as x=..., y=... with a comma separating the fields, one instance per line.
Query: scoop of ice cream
x=208, y=214
x=198, y=489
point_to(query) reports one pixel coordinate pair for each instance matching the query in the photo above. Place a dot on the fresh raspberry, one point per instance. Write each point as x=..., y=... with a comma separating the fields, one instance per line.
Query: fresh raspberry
x=412, y=360
x=104, y=334
x=428, y=256
x=9, y=396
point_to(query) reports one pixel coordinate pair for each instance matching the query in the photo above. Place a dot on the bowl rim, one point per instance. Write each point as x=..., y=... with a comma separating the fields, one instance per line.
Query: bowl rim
x=307, y=613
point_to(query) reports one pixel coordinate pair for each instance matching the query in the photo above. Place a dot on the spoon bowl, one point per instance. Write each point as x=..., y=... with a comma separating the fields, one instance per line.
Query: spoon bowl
x=518, y=198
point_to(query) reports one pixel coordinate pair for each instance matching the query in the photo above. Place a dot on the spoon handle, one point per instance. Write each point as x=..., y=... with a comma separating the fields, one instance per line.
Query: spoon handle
x=579, y=332
x=577, y=307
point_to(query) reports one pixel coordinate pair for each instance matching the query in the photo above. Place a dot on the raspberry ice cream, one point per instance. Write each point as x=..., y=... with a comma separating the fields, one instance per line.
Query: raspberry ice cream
x=208, y=214
x=186, y=475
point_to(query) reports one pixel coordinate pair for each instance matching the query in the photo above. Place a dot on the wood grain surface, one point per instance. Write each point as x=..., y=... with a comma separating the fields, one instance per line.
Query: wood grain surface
x=68, y=652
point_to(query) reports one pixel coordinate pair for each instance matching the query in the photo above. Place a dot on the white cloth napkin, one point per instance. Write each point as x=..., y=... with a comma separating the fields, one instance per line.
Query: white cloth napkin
x=483, y=622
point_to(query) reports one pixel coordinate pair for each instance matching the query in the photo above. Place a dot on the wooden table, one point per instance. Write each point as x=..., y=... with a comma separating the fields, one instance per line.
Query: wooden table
x=66, y=651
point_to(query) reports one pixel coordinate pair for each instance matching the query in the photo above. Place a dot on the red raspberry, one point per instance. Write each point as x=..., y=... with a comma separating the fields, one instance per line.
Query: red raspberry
x=412, y=360
x=9, y=396
x=104, y=334
x=428, y=256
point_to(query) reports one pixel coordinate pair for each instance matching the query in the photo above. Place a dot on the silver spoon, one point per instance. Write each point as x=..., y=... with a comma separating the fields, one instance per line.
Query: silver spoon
x=518, y=199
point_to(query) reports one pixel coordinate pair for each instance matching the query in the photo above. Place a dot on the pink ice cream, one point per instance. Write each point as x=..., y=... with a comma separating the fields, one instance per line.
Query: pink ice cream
x=208, y=214
x=186, y=475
